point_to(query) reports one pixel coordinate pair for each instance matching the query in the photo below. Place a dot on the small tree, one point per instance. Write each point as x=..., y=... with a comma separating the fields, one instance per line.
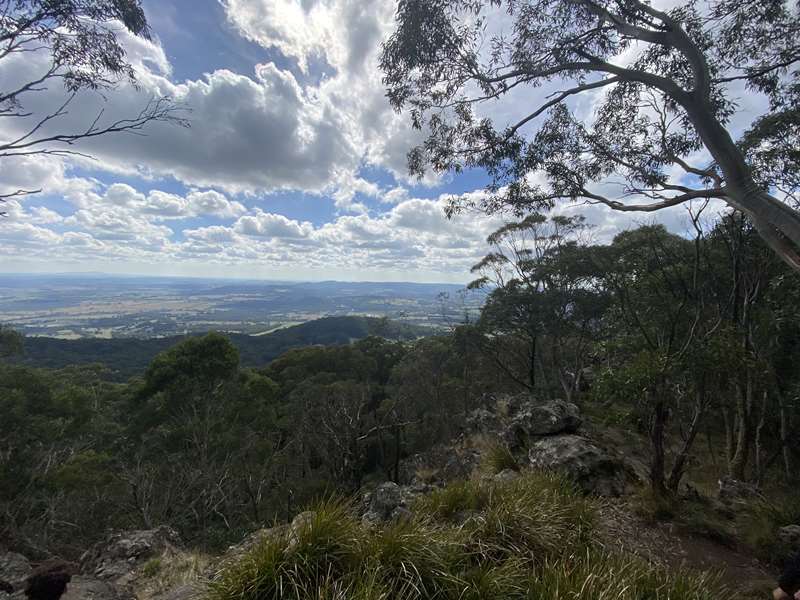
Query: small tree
x=81, y=40
x=542, y=307
x=669, y=103
x=10, y=342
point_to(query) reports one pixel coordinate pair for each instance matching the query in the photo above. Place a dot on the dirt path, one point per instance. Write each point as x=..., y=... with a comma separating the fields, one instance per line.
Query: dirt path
x=670, y=545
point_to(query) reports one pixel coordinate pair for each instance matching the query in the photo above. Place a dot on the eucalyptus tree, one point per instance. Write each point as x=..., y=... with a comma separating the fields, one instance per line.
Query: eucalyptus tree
x=663, y=79
x=543, y=308
x=81, y=40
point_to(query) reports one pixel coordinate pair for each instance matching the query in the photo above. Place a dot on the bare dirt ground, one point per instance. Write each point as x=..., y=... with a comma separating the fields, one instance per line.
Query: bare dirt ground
x=670, y=545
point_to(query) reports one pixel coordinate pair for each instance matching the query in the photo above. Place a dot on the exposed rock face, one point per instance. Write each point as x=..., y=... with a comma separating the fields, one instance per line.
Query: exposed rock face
x=533, y=420
x=391, y=502
x=116, y=559
x=593, y=469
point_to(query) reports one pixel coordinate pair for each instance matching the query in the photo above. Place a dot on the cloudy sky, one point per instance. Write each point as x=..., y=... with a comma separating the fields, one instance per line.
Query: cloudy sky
x=293, y=167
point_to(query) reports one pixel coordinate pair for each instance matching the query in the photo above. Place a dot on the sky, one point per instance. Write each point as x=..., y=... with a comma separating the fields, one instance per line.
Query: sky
x=294, y=166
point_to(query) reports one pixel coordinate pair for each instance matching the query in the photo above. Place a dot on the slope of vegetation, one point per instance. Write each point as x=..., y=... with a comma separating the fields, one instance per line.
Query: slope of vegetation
x=687, y=347
x=525, y=539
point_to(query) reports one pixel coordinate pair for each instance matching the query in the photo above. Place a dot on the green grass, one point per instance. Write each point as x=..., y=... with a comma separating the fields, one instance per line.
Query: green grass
x=499, y=458
x=528, y=539
x=759, y=524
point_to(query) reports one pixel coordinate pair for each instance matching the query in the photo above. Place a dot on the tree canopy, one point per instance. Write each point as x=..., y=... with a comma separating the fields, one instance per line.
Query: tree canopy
x=666, y=105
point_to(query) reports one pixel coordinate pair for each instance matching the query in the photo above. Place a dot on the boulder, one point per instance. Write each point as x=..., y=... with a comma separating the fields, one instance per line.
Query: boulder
x=14, y=569
x=593, y=469
x=789, y=536
x=482, y=420
x=533, y=420
x=89, y=588
x=118, y=557
x=299, y=523
x=383, y=502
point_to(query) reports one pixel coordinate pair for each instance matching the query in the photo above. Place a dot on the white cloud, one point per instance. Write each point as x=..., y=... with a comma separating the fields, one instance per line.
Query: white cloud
x=268, y=225
x=44, y=216
x=213, y=203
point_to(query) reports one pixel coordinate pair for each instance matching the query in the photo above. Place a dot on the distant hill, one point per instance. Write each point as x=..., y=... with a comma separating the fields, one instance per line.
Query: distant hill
x=126, y=357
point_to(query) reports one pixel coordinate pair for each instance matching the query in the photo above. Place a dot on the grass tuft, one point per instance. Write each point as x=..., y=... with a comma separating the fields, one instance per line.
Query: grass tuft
x=759, y=525
x=530, y=538
x=499, y=458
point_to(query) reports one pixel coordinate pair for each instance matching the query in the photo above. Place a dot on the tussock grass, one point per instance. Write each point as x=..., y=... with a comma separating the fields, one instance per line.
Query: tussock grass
x=169, y=571
x=498, y=458
x=527, y=539
x=603, y=576
x=759, y=524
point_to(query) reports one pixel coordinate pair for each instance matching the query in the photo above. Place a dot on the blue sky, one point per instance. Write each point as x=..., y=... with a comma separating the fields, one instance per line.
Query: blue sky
x=294, y=165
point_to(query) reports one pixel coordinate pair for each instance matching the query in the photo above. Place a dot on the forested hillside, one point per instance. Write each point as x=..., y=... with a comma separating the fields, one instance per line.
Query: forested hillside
x=126, y=357
x=681, y=353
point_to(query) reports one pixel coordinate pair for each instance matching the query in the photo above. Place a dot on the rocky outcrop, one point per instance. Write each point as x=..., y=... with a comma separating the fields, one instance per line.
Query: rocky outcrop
x=533, y=420
x=593, y=469
x=391, y=502
x=88, y=588
x=116, y=559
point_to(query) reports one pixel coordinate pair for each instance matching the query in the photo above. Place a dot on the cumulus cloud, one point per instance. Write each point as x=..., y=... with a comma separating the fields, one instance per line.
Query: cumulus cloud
x=268, y=225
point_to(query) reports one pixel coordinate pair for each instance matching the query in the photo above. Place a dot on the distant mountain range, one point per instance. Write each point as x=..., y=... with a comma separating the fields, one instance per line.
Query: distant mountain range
x=127, y=357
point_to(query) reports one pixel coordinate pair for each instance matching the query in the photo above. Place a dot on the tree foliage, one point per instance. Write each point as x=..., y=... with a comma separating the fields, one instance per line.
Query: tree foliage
x=449, y=60
x=81, y=40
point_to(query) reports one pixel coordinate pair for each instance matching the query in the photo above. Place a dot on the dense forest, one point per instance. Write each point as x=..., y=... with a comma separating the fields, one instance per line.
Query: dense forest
x=678, y=340
x=126, y=357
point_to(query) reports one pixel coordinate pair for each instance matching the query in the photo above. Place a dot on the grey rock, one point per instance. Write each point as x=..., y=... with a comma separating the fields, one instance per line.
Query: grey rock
x=533, y=420
x=505, y=475
x=117, y=558
x=482, y=420
x=593, y=469
x=299, y=524
x=14, y=568
x=383, y=502
x=789, y=536
x=88, y=588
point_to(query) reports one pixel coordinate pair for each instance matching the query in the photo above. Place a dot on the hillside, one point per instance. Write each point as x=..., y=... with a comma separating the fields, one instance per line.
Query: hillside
x=126, y=357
